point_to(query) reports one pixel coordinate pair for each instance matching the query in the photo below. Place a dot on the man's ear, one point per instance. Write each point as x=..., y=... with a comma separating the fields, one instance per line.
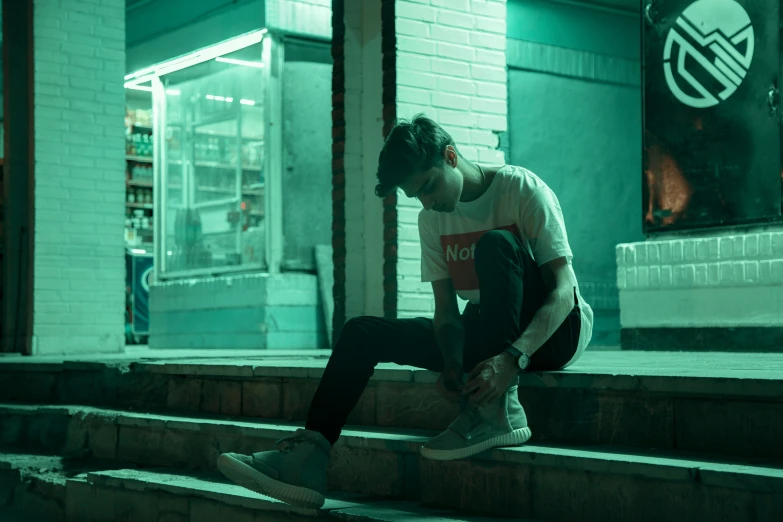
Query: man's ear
x=451, y=156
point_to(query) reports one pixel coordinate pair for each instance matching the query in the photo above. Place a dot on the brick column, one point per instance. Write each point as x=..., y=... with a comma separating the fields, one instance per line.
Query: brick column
x=445, y=58
x=79, y=106
x=451, y=65
x=16, y=271
x=338, y=162
x=390, y=214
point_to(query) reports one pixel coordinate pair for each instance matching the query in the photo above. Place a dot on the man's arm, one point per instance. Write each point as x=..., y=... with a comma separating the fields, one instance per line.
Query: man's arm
x=448, y=327
x=492, y=377
x=560, y=282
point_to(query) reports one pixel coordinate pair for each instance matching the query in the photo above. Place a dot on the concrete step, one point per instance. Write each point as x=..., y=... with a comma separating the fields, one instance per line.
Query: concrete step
x=32, y=488
x=544, y=482
x=165, y=495
x=205, y=498
x=644, y=400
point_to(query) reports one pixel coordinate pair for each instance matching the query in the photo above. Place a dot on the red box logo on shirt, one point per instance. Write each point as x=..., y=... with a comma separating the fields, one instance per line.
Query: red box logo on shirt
x=460, y=250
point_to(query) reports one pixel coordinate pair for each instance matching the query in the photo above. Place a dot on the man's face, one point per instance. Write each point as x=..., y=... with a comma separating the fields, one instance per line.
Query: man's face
x=439, y=188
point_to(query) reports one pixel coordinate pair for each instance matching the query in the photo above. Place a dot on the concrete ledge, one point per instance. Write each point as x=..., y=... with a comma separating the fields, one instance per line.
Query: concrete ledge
x=207, y=486
x=141, y=354
x=195, y=442
x=209, y=493
x=43, y=487
x=32, y=488
x=717, y=307
x=606, y=398
x=516, y=482
x=719, y=374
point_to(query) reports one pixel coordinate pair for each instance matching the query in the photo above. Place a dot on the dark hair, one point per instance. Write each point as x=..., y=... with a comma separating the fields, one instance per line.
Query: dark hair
x=411, y=147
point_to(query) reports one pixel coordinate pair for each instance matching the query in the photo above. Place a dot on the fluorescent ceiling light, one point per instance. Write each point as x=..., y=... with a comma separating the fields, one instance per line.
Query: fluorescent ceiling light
x=247, y=102
x=234, y=61
x=200, y=56
x=131, y=85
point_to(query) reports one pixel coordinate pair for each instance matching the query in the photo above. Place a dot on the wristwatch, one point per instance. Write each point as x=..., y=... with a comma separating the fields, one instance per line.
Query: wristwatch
x=522, y=359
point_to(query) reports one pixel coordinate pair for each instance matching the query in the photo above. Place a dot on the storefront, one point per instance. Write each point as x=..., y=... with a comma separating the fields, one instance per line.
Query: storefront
x=228, y=165
x=204, y=157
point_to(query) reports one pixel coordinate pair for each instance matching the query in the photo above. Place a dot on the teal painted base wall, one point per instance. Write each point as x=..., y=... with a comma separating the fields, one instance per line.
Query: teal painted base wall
x=238, y=312
x=575, y=106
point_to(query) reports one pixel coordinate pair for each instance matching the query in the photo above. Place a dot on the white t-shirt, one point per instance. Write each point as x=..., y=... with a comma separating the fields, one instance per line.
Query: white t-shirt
x=517, y=200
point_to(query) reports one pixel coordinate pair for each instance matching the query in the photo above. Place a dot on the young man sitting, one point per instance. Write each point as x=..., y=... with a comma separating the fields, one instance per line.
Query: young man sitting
x=492, y=236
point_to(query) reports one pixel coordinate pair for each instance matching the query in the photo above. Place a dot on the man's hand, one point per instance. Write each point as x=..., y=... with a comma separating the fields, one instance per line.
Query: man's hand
x=490, y=379
x=450, y=382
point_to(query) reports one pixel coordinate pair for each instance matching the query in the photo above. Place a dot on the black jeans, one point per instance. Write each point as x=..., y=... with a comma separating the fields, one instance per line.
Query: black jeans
x=512, y=290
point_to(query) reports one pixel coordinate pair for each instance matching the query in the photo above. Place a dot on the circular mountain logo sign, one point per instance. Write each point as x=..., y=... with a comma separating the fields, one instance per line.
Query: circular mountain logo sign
x=708, y=52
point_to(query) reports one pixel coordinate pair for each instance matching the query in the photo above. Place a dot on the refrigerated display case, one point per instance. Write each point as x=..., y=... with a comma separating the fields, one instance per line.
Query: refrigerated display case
x=215, y=120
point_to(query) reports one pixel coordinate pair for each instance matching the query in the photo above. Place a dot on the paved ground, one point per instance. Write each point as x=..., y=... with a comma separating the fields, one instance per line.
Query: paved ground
x=607, y=362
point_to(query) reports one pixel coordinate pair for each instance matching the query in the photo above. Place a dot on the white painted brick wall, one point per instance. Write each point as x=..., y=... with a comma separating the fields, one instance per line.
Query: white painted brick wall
x=451, y=65
x=79, y=285
x=729, y=261
x=730, y=280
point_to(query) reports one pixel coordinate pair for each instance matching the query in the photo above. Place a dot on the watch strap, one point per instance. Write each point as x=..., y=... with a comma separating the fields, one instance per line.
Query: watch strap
x=517, y=355
x=513, y=351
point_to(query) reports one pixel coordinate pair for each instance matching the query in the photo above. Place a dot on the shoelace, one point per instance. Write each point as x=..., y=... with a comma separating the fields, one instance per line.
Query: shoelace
x=288, y=443
x=475, y=417
x=474, y=420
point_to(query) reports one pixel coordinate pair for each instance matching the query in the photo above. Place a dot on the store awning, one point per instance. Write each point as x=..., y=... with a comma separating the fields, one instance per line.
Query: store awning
x=161, y=30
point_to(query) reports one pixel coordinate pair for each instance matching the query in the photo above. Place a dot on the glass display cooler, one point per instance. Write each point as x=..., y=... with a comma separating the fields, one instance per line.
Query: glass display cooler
x=216, y=117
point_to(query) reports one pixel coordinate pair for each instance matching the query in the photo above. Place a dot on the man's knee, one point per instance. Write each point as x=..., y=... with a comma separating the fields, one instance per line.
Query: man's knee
x=354, y=327
x=355, y=333
x=493, y=243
